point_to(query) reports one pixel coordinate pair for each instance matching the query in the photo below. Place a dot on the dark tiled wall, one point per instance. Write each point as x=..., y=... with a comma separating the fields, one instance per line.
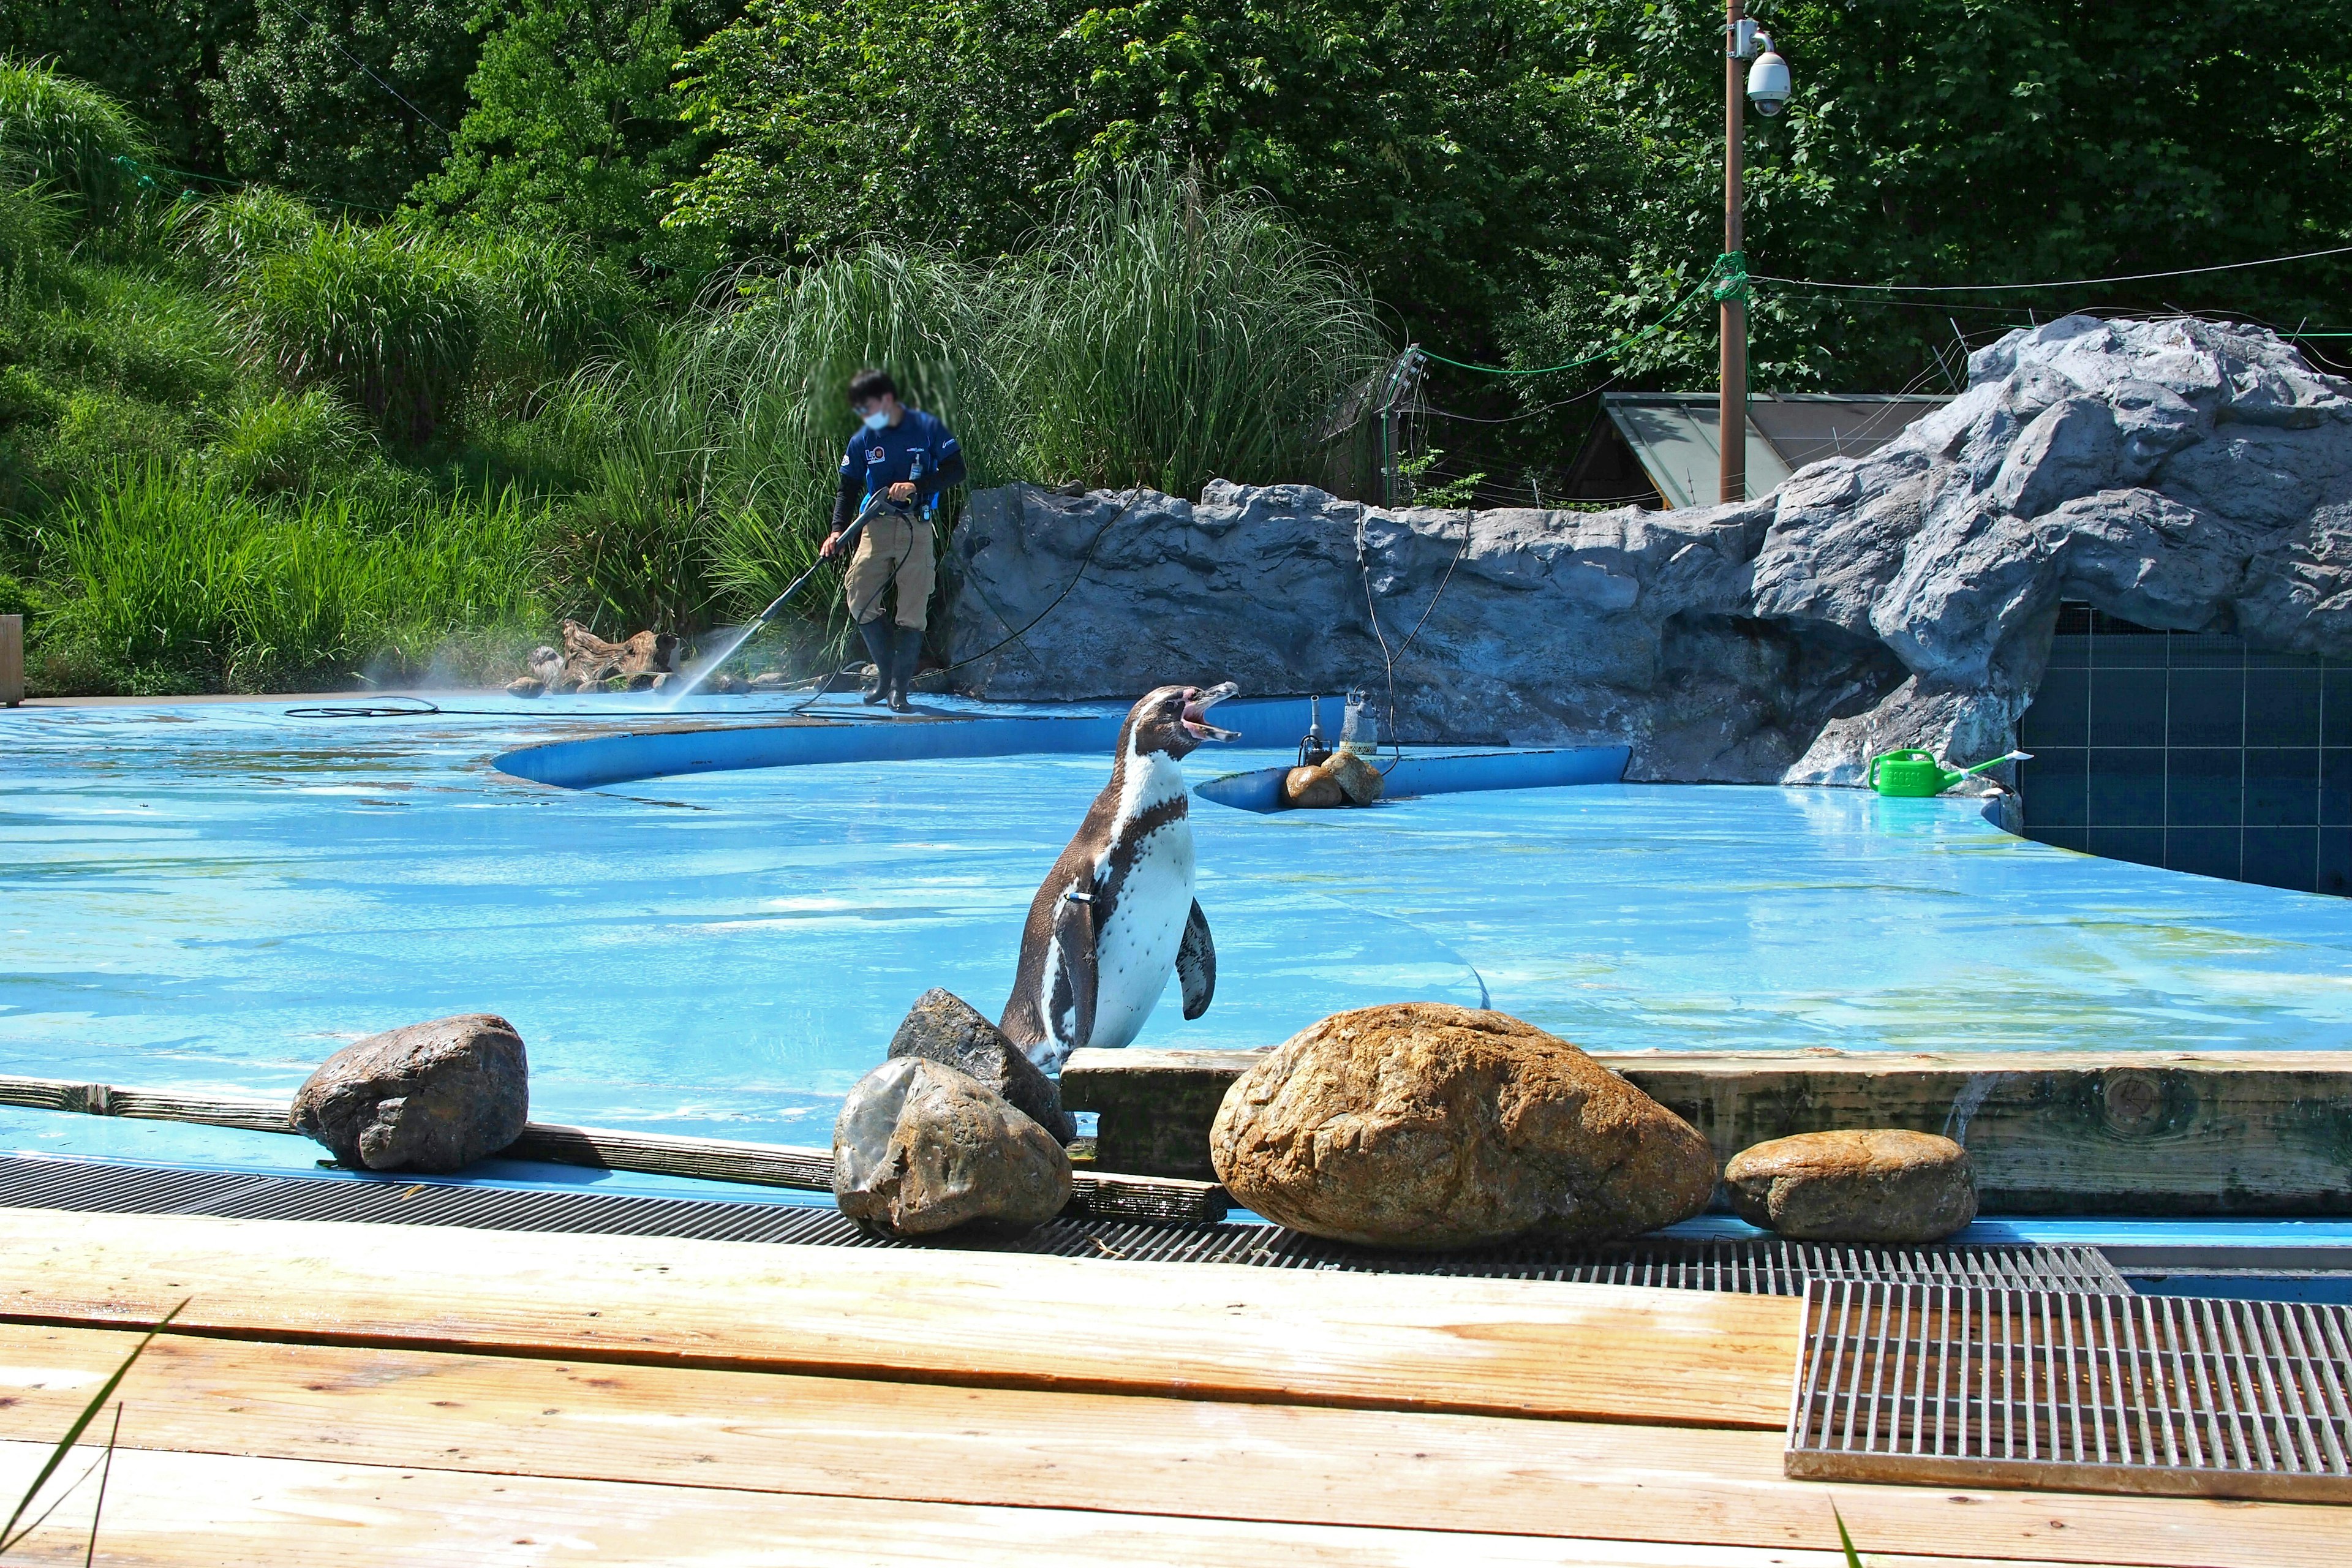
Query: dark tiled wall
x=2191, y=751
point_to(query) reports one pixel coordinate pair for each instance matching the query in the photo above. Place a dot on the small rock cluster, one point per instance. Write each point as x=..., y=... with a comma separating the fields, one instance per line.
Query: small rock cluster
x=433, y=1096
x=1341, y=779
x=588, y=663
x=1424, y=1126
x=958, y=1132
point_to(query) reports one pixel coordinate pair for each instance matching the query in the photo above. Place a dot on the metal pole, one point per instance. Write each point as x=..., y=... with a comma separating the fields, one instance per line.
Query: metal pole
x=1731, y=404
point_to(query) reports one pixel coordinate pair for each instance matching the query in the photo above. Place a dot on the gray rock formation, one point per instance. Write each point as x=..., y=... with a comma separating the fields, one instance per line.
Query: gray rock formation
x=942, y=1026
x=2179, y=474
x=432, y=1097
x=920, y=1148
x=1883, y=1186
x=1424, y=1125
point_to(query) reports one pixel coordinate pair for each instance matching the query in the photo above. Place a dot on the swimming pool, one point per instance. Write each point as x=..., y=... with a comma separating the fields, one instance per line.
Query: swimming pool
x=214, y=896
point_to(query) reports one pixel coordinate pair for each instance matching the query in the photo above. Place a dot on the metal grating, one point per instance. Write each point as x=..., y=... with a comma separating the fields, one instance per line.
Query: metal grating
x=2158, y=1394
x=1766, y=1266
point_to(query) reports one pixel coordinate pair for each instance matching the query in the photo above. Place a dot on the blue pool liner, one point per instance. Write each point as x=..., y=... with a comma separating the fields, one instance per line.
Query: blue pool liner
x=596, y=761
x=1450, y=772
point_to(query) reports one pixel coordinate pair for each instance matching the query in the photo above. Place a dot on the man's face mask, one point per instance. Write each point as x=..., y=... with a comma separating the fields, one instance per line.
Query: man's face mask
x=876, y=420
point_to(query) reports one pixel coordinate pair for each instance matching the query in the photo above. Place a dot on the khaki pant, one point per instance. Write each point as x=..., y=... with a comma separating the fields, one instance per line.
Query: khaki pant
x=892, y=547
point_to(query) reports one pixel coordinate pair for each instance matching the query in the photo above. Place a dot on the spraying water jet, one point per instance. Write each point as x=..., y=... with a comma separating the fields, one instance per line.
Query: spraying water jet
x=743, y=634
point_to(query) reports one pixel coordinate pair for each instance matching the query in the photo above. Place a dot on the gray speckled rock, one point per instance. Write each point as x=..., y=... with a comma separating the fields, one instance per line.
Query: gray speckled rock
x=2180, y=474
x=920, y=1148
x=942, y=1026
x=1885, y=1185
x=431, y=1096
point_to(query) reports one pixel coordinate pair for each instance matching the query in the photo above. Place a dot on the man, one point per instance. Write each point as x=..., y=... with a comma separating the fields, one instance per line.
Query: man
x=908, y=457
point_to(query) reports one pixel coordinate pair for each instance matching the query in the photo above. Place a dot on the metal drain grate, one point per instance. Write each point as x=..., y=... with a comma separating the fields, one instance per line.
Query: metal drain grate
x=1764, y=1267
x=2160, y=1394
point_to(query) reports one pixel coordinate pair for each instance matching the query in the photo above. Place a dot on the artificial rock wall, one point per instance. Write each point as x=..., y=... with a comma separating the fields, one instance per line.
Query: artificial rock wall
x=2181, y=475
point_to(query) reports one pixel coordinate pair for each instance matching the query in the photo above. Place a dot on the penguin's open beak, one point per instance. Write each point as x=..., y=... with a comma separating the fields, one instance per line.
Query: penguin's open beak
x=1196, y=712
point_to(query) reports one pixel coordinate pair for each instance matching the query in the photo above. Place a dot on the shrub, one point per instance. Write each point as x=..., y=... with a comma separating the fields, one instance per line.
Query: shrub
x=77, y=141
x=228, y=235
x=20, y=598
x=31, y=224
x=97, y=432
x=176, y=573
x=548, y=306
x=138, y=334
x=291, y=442
x=384, y=315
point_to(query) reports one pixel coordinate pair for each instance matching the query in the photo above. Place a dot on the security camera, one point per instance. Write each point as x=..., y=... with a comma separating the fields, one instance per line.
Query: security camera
x=1767, y=81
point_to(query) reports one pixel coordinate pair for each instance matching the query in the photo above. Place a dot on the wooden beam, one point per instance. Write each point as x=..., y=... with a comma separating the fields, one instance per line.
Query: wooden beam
x=12, y=660
x=765, y=1432
x=1152, y=1200
x=2142, y=1132
x=1204, y=1330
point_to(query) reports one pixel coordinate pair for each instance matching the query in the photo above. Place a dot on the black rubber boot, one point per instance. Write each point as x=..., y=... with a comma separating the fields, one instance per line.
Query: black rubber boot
x=902, y=668
x=876, y=633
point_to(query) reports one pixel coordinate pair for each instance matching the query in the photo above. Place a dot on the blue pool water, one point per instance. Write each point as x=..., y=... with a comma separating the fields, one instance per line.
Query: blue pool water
x=216, y=897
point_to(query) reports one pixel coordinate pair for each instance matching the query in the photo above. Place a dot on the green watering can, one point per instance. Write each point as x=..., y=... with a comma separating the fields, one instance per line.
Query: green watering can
x=1917, y=773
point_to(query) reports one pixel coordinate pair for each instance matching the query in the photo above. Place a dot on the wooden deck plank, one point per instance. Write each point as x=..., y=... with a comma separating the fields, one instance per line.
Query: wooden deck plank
x=203, y=1510
x=1201, y=1331
x=2145, y=1132
x=925, y=1443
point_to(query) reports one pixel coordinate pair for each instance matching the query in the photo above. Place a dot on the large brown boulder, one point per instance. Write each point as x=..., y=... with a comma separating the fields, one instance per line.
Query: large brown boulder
x=1882, y=1186
x=1423, y=1125
x=920, y=1148
x=432, y=1097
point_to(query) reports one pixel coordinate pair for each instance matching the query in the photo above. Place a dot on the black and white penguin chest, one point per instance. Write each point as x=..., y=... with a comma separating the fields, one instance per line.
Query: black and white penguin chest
x=1142, y=902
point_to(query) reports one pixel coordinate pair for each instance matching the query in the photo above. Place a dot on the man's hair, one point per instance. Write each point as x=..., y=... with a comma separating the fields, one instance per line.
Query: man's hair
x=868, y=384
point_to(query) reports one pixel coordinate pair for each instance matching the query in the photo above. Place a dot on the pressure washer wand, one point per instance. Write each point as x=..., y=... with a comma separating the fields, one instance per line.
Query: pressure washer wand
x=848, y=543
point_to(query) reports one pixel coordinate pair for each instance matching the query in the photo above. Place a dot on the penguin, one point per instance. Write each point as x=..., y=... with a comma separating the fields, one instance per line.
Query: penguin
x=1117, y=912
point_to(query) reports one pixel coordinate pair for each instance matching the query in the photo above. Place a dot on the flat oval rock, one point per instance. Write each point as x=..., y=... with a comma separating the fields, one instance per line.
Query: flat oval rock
x=920, y=1148
x=433, y=1097
x=1878, y=1186
x=1422, y=1125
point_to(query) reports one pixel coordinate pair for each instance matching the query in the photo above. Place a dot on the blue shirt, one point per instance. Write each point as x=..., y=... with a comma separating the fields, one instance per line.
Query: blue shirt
x=918, y=447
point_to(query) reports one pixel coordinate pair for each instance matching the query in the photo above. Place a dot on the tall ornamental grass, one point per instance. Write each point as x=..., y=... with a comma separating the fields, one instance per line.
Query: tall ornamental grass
x=409, y=325
x=179, y=572
x=77, y=141
x=1157, y=335
x=1162, y=336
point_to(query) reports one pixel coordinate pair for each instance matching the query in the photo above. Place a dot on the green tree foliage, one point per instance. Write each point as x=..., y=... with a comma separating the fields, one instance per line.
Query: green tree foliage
x=574, y=126
x=1442, y=146
x=1994, y=141
x=353, y=100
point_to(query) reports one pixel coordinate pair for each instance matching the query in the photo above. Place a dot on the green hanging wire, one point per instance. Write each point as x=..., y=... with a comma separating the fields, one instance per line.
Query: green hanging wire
x=1729, y=272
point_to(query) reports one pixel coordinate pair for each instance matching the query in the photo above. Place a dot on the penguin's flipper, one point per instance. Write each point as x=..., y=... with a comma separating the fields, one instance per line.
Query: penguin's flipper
x=1069, y=988
x=1196, y=962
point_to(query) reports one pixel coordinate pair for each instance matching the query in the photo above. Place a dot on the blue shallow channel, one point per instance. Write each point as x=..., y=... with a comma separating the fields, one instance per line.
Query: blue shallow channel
x=214, y=897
